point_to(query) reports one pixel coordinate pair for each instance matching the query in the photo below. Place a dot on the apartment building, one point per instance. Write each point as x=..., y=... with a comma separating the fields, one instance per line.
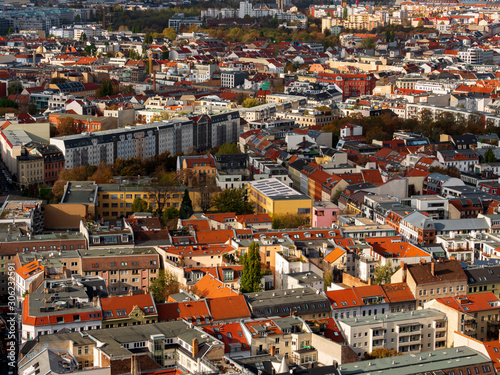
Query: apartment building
x=405, y=332
x=143, y=141
x=273, y=197
x=428, y=280
x=288, y=338
x=308, y=303
x=474, y=315
x=443, y=361
x=123, y=269
x=61, y=306
x=30, y=169
x=147, y=346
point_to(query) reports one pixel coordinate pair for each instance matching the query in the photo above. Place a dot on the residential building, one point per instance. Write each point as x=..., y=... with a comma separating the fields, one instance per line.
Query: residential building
x=440, y=361
x=308, y=303
x=143, y=141
x=59, y=307
x=474, y=315
x=427, y=280
x=273, y=197
x=404, y=332
x=233, y=79
x=129, y=310
x=123, y=269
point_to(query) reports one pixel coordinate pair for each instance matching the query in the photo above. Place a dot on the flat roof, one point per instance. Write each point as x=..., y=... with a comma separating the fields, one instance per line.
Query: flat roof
x=275, y=189
x=391, y=317
x=417, y=363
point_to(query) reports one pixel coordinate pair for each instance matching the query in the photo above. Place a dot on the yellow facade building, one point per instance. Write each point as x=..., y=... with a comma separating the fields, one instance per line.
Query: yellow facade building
x=274, y=197
x=115, y=200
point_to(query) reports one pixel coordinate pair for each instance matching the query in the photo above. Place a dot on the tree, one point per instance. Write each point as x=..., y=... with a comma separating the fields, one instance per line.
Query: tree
x=7, y=103
x=83, y=37
x=103, y=174
x=252, y=270
x=106, y=88
x=163, y=286
x=381, y=353
x=382, y=274
x=452, y=171
x=67, y=126
x=344, y=13
x=139, y=205
x=10, y=31
x=15, y=88
x=233, y=200
x=250, y=102
x=290, y=221
x=186, y=206
x=158, y=191
x=171, y=213
x=489, y=156
x=170, y=33
x=368, y=43
x=128, y=90
x=228, y=149
x=90, y=49
x=148, y=39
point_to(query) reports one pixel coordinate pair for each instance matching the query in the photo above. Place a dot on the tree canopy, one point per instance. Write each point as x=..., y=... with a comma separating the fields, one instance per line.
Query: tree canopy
x=228, y=148
x=163, y=286
x=489, y=156
x=290, y=221
x=186, y=206
x=139, y=205
x=233, y=200
x=252, y=270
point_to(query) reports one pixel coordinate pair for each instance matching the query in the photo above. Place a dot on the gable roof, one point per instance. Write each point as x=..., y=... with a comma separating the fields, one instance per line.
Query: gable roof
x=231, y=335
x=211, y=287
x=444, y=271
x=472, y=302
x=187, y=310
x=231, y=307
x=111, y=305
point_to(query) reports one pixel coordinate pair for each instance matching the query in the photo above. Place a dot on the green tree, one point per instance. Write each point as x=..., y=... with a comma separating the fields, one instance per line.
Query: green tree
x=106, y=88
x=250, y=102
x=163, y=286
x=148, y=39
x=171, y=213
x=186, y=206
x=228, y=148
x=252, y=270
x=170, y=33
x=489, y=156
x=344, y=13
x=90, y=50
x=290, y=221
x=381, y=353
x=10, y=31
x=139, y=205
x=15, y=88
x=382, y=274
x=83, y=37
x=7, y=103
x=368, y=43
x=233, y=200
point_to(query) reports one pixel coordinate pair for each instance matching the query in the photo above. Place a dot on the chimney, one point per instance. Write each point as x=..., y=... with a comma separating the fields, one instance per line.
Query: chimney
x=195, y=347
x=433, y=269
x=404, y=270
x=422, y=261
x=273, y=350
x=95, y=301
x=134, y=365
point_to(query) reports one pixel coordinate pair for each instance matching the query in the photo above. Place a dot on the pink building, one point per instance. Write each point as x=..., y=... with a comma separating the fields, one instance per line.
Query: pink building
x=324, y=214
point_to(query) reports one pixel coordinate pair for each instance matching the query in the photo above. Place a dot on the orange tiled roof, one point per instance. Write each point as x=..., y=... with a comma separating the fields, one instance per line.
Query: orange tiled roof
x=334, y=255
x=30, y=269
x=211, y=287
x=111, y=304
x=231, y=307
x=471, y=302
x=188, y=310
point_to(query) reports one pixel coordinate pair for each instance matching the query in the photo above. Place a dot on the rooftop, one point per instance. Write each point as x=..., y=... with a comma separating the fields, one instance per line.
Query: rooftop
x=392, y=317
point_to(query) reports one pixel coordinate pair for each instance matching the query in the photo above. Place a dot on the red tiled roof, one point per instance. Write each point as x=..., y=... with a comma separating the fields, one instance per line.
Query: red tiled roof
x=231, y=307
x=472, y=302
x=128, y=303
x=211, y=287
x=188, y=310
x=230, y=334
